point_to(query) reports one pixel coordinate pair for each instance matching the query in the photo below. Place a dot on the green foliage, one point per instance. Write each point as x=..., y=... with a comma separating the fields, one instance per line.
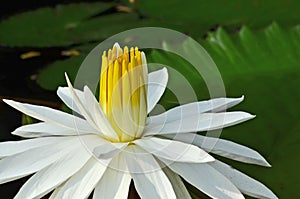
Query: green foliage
x=70, y=24
x=53, y=76
x=48, y=26
x=233, y=13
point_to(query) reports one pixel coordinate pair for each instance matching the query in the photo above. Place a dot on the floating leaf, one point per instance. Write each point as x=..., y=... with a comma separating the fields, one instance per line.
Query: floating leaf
x=48, y=26
x=234, y=13
x=53, y=76
x=70, y=24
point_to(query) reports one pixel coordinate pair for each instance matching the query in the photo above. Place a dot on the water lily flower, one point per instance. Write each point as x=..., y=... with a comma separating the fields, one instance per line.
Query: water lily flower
x=113, y=141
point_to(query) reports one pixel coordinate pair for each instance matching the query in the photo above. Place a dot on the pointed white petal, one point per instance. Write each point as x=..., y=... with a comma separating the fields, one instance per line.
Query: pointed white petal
x=81, y=107
x=206, y=179
x=81, y=184
x=65, y=94
x=46, y=129
x=51, y=177
x=212, y=105
x=14, y=147
x=223, y=148
x=51, y=116
x=33, y=160
x=190, y=122
x=243, y=182
x=196, y=108
x=157, y=82
x=174, y=150
x=218, y=104
x=178, y=186
x=149, y=180
x=96, y=112
x=115, y=181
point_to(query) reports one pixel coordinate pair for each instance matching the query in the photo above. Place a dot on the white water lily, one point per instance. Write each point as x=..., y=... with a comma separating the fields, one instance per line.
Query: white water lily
x=113, y=141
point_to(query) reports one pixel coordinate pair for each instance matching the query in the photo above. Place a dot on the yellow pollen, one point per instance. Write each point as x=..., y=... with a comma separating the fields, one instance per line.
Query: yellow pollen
x=123, y=91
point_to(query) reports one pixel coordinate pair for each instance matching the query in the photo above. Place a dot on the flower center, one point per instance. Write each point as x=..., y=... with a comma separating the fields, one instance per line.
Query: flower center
x=123, y=93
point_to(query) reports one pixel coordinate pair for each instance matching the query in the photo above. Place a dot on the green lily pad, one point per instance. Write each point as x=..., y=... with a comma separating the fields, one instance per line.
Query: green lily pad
x=70, y=24
x=234, y=13
x=78, y=23
x=53, y=76
x=48, y=26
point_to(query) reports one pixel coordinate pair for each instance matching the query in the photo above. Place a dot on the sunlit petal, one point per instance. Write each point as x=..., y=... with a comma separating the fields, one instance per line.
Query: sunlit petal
x=14, y=147
x=190, y=122
x=149, y=181
x=65, y=94
x=115, y=181
x=50, y=115
x=206, y=179
x=222, y=147
x=49, y=178
x=174, y=150
x=47, y=129
x=33, y=160
x=81, y=184
x=243, y=182
x=157, y=82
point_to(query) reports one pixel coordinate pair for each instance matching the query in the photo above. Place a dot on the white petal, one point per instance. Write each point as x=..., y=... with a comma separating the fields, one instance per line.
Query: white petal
x=149, y=180
x=33, y=160
x=114, y=183
x=83, y=182
x=49, y=178
x=213, y=105
x=81, y=107
x=174, y=150
x=218, y=104
x=145, y=67
x=65, y=94
x=108, y=150
x=243, y=182
x=99, y=148
x=206, y=179
x=98, y=115
x=223, y=148
x=190, y=122
x=157, y=82
x=178, y=185
x=46, y=129
x=14, y=147
x=51, y=116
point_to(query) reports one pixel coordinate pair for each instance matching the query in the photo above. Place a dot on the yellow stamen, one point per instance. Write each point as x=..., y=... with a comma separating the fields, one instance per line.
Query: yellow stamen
x=123, y=93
